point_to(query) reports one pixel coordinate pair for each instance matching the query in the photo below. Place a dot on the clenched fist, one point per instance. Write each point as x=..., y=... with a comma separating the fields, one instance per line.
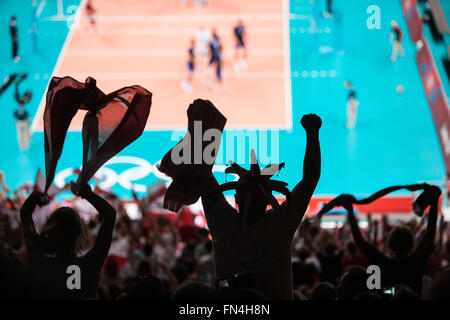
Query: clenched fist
x=311, y=122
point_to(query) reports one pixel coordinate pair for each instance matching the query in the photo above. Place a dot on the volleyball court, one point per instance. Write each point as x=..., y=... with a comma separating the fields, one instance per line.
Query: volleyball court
x=146, y=43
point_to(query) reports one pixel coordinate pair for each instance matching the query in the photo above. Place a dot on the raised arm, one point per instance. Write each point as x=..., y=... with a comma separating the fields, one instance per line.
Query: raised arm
x=426, y=244
x=107, y=216
x=216, y=207
x=369, y=251
x=29, y=231
x=303, y=191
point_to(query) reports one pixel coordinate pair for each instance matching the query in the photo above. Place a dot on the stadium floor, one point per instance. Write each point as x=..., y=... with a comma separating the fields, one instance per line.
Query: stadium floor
x=394, y=141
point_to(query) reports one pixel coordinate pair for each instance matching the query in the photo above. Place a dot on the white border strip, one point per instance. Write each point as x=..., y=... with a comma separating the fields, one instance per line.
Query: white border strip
x=40, y=8
x=75, y=24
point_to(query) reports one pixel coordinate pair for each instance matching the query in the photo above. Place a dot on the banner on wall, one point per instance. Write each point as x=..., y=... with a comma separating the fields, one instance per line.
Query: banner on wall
x=436, y=97
x=413, y=19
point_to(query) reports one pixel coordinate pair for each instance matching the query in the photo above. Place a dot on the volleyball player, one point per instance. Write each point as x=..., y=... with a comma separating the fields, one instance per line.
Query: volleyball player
x=396, y=38
x=21, y=116
x=15, y=44
x=187, y=84
x=240, y=55
x=90, y=12
x=215, y=61
x=352, y=105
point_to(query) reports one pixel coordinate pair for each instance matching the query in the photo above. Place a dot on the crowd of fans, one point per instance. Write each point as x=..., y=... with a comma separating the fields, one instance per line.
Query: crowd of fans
x=158, y=258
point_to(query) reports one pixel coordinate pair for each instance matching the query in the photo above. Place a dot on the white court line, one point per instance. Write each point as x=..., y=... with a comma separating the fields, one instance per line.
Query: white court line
x=76, y=21
x=287, y=65
x=41, y=8
x=191, y=18
x=131, y=76
x=161, y=52
x=175, y=31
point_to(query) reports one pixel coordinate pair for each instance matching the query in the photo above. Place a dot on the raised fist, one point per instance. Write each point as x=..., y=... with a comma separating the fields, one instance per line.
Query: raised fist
x=345, y=200
x=40, y=198
x=83, y=192
x=434, y=191
x=311, y=122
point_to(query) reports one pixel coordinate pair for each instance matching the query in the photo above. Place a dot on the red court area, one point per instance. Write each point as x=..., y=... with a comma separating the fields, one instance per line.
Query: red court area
x=146, y=42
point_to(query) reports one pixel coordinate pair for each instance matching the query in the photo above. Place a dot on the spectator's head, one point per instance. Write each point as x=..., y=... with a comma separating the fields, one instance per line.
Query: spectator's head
x=251, y=201
x=400, y=241
x=13, y=19
x=148, y=249
x=324, y=291
x=330, y=248
x=145, y=287
x=254, y=189
x=62, y=232
x=144, y=268
x=163, y=222
x=352, y=283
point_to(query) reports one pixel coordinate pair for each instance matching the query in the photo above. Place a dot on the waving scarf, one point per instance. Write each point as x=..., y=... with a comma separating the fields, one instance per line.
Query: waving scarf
x=111, y=123
x=381, y=193
x=183, y=189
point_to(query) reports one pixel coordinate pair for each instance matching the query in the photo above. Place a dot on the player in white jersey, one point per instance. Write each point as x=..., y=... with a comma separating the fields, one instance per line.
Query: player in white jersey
x=203, y=51
x=352, y=105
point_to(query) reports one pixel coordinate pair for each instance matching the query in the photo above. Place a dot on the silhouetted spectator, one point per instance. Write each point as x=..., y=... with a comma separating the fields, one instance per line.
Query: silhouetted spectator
x=54, y=251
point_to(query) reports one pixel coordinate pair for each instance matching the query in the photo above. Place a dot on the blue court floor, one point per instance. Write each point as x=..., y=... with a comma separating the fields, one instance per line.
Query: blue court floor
x=394, y=141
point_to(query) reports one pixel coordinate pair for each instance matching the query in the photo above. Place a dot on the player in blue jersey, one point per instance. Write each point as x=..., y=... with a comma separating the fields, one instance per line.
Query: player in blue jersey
x=396, y=38
x=240, y=55
x=215, y=49
x=187, y=84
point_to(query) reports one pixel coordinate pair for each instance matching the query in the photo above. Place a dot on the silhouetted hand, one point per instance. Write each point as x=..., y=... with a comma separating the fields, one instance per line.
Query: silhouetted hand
x=311, y=122
x=40, y=198
x=435, y=192
x=83, y=192
x=345, y=200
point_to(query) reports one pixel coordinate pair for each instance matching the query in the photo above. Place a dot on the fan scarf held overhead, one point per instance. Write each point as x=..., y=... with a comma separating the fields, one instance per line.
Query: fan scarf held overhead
x=111, y=123
x=182, y=191
x=419, y=205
